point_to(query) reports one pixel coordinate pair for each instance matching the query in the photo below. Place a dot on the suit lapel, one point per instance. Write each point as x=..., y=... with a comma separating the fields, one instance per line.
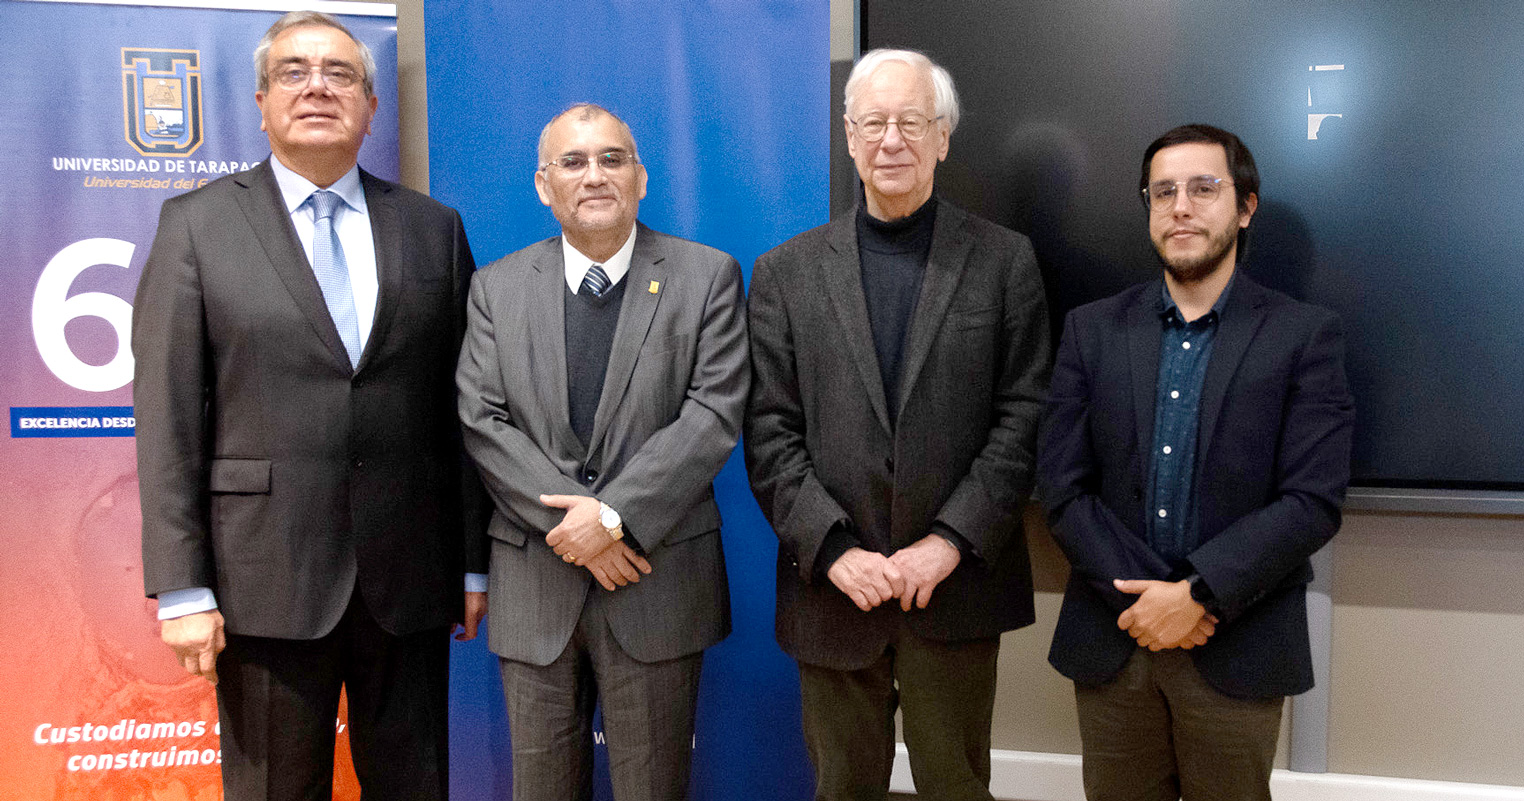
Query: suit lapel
x=1143, y=332
x=636, y=311
x=1241, y=317
x=944, y=267
x=841, y=271
x=546, y=334
x=386, y=232
x=266, y=213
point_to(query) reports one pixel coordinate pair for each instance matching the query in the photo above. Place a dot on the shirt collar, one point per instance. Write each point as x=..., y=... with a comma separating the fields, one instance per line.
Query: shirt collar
x=577, y=264
x=294, y=189
x=1168, y=309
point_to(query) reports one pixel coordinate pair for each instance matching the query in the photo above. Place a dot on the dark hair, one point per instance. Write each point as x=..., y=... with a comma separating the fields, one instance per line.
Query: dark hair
x=1240, y=160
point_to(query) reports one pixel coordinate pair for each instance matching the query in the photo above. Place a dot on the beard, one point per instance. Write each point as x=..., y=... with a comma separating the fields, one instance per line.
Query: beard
x=1190, y=269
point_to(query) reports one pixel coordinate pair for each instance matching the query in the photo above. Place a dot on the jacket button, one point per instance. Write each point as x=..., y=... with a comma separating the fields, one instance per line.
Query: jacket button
x=590, y=476
x=889, y=464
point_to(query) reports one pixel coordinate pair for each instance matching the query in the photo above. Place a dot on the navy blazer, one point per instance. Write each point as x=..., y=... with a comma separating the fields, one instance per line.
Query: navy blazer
x=1272, y=463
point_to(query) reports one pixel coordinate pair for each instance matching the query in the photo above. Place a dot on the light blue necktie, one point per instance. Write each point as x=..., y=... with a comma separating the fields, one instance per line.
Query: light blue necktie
x=333, y=272
x=595, y=280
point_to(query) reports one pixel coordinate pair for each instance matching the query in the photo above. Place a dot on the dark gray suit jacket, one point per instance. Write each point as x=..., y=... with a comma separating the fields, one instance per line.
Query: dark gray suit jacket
x=1272, y=462
x=668, y=419
x=820, y=448
x=269, y=470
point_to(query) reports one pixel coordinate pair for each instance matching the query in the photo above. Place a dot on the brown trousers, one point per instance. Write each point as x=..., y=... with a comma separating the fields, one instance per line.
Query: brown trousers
x=1159, y=732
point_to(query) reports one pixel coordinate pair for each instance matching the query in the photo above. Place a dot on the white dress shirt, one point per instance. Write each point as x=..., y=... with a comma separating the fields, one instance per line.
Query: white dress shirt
x=577, y=264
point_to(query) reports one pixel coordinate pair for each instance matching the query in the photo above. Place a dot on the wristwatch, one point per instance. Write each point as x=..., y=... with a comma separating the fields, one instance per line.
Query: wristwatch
x=610, y=520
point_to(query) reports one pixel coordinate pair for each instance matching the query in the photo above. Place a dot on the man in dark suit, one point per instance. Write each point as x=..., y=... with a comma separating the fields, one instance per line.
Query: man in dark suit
x=900, y=354
x=602, y=383
x=305, y=495
x=1194, y=454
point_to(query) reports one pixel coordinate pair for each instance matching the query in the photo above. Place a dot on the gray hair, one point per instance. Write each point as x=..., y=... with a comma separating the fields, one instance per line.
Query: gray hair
x=584, y=112
x=297, y=19
x=944, y=94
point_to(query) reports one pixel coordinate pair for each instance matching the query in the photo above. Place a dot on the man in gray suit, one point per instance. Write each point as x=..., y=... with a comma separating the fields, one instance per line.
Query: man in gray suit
x=303, y=485
x=900, y=353
x=602, y=383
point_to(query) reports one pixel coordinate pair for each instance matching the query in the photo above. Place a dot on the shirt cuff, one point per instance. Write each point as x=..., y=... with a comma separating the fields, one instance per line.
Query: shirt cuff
x=476, y=582
x=179, y=603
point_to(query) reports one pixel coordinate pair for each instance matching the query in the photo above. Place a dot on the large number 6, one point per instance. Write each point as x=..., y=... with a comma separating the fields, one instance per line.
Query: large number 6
x=52, y=309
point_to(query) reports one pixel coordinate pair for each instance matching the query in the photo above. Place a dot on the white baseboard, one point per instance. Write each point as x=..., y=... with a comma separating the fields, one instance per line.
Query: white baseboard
x=1029, y=776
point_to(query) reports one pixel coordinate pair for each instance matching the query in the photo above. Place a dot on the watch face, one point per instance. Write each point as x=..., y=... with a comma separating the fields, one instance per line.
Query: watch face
x=609, y=518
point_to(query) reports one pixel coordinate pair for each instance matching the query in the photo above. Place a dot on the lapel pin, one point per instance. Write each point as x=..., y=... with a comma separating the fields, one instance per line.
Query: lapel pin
x=655, y=287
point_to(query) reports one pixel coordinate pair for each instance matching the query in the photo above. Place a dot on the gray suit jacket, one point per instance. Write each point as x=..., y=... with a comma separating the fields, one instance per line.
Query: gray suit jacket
x=668, y=419
x=270, y=470
x=820, y=448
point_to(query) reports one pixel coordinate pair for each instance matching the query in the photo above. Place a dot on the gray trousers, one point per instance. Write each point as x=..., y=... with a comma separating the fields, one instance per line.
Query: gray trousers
x=648, y=713
x=1159, y=732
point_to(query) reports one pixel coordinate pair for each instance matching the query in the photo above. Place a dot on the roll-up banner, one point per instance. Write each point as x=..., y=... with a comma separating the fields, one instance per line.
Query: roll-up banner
x=106, y=110
x=728, y=101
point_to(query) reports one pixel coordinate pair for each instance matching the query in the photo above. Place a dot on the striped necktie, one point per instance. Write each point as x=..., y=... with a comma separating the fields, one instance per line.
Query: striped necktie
x=595, y=281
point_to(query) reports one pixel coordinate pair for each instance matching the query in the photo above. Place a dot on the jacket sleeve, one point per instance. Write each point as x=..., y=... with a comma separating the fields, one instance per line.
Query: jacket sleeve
x=475, y=506
x=171, y=388
x=1243, y=562
x=1000, y=479
x=778, y=463
x=1098, y=544
x=511, y=466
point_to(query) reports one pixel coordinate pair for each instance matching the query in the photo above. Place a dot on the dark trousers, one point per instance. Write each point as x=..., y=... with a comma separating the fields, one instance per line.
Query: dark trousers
x=946, y=692
x=648, y=714
x=1159, y=732
x=277, y=702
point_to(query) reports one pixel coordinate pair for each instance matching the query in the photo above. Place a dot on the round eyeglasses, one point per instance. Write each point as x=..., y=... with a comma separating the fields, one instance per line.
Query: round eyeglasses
x=1201, y=191
x=913, y=127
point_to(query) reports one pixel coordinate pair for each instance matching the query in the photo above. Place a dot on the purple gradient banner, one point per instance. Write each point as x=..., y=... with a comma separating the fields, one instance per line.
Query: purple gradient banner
x=106, y=111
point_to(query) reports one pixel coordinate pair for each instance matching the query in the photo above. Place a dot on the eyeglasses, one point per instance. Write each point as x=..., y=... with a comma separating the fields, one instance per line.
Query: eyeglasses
x=913, y=127
x=1202, y=190
x=295, y=76
x=611, y=161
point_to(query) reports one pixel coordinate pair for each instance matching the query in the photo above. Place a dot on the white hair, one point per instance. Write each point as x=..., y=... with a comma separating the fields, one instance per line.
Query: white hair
x=944, y=95
x=315, y=19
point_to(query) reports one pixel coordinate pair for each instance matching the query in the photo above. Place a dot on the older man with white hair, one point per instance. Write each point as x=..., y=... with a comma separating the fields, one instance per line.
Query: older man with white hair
x=900, y=356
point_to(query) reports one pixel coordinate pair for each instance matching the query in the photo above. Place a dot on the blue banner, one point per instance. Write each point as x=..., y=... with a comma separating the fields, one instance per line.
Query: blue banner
x=728, y=102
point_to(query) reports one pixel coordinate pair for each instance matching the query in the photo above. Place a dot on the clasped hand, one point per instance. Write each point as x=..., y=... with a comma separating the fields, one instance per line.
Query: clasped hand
x=581, y=540
x=1164, y=615
x=909, y=574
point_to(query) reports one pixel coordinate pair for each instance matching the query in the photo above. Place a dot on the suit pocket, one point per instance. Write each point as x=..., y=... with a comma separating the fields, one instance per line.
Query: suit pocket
x=974, y=318
x=428, y=285
x=500, y=529
x=240, y=476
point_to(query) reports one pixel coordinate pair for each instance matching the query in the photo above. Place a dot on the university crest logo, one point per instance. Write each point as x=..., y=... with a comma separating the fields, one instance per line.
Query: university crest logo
x=161, y=100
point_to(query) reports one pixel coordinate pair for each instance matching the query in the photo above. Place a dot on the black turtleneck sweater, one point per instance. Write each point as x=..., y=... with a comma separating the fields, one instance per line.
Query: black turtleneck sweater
x=893, y=256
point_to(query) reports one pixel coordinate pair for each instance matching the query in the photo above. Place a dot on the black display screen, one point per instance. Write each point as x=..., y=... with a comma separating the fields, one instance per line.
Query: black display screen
x=1390, y=142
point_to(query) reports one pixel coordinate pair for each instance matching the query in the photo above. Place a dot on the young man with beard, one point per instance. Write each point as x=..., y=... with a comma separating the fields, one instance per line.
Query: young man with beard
x=1194, y=455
